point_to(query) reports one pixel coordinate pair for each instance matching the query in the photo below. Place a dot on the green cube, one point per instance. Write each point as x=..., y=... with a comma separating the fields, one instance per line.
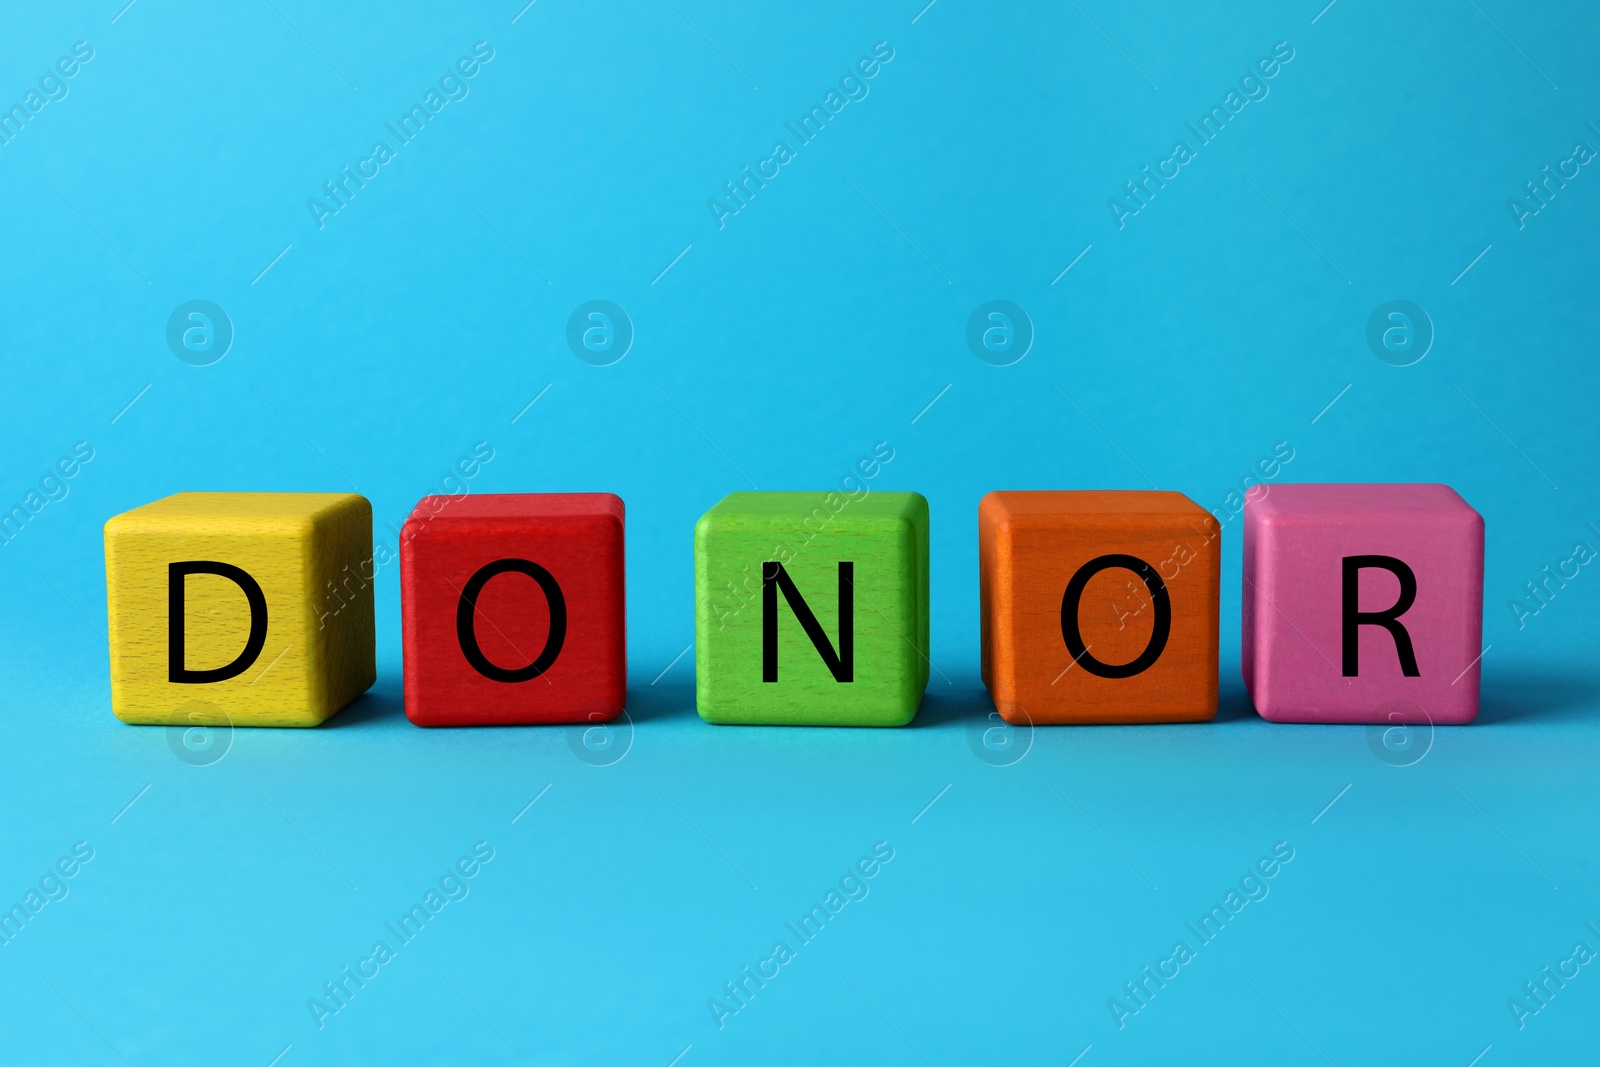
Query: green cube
x=811, y=609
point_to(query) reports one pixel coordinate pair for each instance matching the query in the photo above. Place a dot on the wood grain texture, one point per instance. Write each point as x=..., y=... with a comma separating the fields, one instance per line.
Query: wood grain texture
x=310, y=553
x=1030, y=546
x=577, y=539
x=884, y=536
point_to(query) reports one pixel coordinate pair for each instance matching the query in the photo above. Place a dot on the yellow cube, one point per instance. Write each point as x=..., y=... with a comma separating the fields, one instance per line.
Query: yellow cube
x=244, y=609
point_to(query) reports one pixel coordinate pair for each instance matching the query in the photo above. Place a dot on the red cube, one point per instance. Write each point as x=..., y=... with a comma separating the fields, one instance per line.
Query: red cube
x=512, y=609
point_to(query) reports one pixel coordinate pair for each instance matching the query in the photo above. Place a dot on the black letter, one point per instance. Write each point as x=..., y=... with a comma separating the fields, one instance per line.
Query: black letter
x=1158, y=632
x=1389, y=620
x=176, y=573
x=773, y=578
x=466, y=610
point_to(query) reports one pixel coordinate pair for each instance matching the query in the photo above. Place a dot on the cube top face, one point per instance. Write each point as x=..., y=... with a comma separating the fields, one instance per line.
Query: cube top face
x=1363, y=604
x=784, y=510
x=1422, y=503
x=513, y=609
x=1099, y=606
x=288, y=513
x=518, y=507
x=825, y=595
x=1111, y=507
x=223, y=608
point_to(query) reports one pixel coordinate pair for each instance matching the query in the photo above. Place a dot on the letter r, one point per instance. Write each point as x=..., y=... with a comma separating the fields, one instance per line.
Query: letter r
x=1354, y=618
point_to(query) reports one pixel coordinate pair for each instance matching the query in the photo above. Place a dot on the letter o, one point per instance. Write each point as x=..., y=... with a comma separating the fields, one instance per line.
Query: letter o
x=466, y=609
x=1159, y=632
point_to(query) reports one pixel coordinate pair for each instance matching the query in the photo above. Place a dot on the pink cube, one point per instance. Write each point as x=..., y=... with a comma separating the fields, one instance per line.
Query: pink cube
x=1363, y=604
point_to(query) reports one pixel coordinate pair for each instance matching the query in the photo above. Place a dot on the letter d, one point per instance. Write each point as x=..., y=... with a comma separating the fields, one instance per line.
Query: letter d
x=176, y=575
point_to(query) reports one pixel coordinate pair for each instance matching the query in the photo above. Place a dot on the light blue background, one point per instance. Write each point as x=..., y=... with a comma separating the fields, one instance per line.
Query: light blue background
x=823, y=318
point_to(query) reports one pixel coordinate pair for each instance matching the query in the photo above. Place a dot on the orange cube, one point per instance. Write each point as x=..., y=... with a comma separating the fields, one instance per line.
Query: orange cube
x=1099, y=606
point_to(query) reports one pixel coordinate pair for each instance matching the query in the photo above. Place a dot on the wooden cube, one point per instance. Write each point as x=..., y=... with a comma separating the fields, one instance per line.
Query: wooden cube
x=1099, y=606
x=1362, y=604
x=250, y=609
x=811, y=609
x=513, y=610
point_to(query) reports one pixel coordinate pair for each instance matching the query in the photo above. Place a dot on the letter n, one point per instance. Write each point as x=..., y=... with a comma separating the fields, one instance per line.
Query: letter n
x=841, y=664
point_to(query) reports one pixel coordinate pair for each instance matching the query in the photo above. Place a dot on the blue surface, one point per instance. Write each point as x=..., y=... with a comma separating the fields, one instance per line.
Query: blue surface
x=1229, y=314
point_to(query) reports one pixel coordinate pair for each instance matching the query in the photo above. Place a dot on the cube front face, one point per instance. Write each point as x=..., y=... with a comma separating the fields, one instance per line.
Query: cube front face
x=1099, y=606
x=273, y=630
x=1363, y=604
x=513, y=609
x=774, y=572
